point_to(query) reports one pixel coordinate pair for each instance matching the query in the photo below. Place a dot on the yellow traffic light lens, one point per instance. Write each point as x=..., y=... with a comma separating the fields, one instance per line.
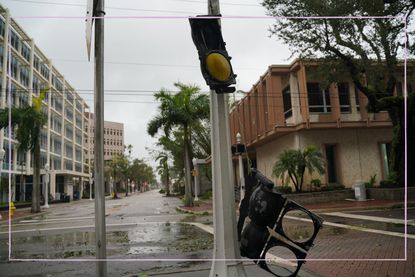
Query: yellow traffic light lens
x=218, y=66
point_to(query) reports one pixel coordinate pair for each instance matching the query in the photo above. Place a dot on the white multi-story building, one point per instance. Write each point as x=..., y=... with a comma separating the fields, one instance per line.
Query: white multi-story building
x=113, y=142
x=113, y=138
x=24, y=71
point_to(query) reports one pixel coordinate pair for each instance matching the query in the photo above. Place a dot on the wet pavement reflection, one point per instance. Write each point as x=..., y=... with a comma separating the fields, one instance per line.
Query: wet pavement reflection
x=143, y=240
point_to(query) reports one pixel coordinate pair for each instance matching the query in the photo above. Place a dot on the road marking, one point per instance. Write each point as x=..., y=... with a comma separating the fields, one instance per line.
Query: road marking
x=107, y=225
x=356, y=228
x=373, y=218
x=55, y=219
x=70, y=227
x=268, y=256
x=202, y=226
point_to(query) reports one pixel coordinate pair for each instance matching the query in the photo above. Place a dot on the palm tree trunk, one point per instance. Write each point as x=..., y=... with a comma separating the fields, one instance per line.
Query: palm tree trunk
x=36, y=179
x=167, y=180
x=188, y=200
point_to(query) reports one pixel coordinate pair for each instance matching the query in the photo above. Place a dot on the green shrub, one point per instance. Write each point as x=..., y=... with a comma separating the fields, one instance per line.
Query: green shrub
x=206, y=195
x=334, y=186
x=162, y=191
x=316, y=183
x=387, y=184
x=372, y=182
x=284, y=189
x=368, y=185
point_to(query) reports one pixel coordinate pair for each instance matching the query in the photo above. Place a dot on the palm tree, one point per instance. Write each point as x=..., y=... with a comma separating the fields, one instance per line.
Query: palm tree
x=163, y=169
x=180, y=110
x=295, y=162
x=119, y=166
x=29, y=121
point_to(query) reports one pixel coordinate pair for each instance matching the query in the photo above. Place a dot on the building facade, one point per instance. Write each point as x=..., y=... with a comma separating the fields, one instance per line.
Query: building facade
x=289, y=109
x=113, y=142
x=24, y=72
x=113, y=138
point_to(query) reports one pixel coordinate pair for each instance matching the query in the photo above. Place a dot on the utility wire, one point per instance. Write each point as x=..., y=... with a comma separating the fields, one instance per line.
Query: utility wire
x=148, y=64
x=135, y=9
x=222, y=3
x=113, y=8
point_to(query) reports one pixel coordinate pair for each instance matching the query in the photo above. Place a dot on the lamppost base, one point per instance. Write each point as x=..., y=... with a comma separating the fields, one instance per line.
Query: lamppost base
x=46, y=206
x=196, y=199
x=224, y=269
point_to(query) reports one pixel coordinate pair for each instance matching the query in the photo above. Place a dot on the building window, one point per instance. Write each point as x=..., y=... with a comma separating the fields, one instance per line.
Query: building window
x=318, y=99
x=14, y=40
x=344, y=97
x=385, y=151
x=286, y=97
x=25, y=52
x=36, y=62
x=44, y=70
x=330, y=150
x=399, y=88
x=2, y=27
x=356, y=95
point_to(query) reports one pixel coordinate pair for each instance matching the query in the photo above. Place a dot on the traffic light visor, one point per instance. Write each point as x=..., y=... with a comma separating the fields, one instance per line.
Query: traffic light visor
x=218, y=66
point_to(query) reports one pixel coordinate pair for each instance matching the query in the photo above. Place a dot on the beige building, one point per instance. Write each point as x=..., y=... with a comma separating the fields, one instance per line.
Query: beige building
x=113, y=138
x=288, y=109
x=62, y=138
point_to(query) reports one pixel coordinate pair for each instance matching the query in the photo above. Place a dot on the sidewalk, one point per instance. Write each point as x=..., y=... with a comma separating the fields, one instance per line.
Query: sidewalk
x=205, y=206
x=251, y=269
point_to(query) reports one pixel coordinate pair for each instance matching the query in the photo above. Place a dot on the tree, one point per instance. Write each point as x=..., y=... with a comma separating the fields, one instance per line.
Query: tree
x=140, y=172
x=295, y=162
x=180, y=110
x=367, y=49
x=119, y=167
x=29, y=121
x=163, y=170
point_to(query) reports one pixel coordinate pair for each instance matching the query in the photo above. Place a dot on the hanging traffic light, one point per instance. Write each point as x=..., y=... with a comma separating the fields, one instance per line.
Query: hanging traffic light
x=214, y=59
x=265, y=240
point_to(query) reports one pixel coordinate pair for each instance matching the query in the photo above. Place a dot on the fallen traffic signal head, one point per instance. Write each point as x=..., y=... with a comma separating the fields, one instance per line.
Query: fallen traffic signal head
x=214, y=59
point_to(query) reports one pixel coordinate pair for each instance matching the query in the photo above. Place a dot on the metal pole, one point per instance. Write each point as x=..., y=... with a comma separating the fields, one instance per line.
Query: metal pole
x=241, y=169
x=101, y=241
x=89, y=154
x=196, y=173
x=226, y=247
x=46, y=206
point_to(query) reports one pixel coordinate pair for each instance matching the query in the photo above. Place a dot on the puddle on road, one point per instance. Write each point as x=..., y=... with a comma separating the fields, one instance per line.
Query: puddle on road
x=137, y=242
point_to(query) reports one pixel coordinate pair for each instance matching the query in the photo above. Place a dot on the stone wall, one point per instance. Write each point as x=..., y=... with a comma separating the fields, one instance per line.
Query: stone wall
x=321, y=197
x=390, y=194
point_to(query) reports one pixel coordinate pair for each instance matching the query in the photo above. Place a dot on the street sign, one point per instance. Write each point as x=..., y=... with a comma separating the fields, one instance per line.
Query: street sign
x=88, y=26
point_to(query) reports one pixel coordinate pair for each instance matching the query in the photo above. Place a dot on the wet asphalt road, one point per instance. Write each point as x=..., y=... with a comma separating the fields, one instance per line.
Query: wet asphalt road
x=141, y=229
x=144, y=230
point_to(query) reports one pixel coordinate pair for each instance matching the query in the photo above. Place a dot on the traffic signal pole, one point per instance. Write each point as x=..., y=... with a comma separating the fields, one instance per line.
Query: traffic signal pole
x=100, y=232
x=226, y=248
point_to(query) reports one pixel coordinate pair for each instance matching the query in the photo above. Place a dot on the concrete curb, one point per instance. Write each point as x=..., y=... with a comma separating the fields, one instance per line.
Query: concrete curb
x=206, y=212
x=362, y=208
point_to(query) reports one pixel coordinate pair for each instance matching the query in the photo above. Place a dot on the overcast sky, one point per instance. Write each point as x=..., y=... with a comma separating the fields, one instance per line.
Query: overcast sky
x=143, y=55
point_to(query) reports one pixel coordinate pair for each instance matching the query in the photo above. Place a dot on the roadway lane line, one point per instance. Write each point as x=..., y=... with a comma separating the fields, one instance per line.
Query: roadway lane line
x=70, y=228
x=356, y=228
x=373, y=218
x=107, y=225
x=55, y=219
x=268, y=256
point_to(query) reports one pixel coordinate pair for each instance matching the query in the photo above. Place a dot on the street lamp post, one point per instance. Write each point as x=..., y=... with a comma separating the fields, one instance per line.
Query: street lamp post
x=111, y=186
x=46, y=178
x=241, y=168
x=90, y=185
x=196, y=175
x=2, y=153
